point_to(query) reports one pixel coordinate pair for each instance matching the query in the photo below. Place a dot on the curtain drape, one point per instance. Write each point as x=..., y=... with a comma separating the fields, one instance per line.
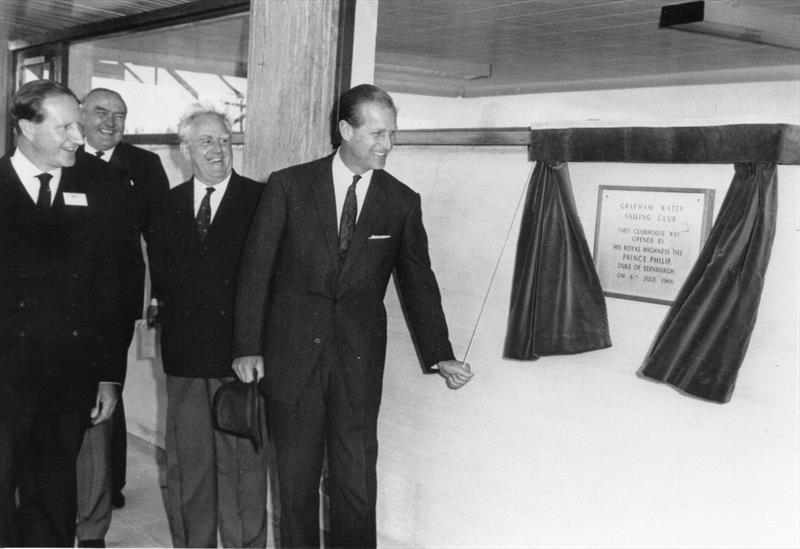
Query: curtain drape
x=702, y=342
x=557, y=304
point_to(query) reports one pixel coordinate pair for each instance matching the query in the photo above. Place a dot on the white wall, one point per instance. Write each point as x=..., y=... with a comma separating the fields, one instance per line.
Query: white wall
x=577, y=450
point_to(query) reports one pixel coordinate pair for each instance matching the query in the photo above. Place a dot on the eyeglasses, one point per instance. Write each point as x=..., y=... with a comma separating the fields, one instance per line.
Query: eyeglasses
x=208, y=141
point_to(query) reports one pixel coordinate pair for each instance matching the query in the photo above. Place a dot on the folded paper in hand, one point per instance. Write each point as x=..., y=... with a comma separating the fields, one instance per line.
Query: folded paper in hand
x=238, y=410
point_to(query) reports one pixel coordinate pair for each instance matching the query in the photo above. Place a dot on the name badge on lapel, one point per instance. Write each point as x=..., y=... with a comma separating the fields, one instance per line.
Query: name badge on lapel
x=75, y=199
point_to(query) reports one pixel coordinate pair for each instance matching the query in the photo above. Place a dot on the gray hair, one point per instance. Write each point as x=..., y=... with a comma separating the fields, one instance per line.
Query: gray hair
x=199, y=111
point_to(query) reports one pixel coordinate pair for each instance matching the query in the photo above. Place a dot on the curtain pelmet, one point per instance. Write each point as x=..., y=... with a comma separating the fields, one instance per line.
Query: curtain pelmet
x=702, y=341
x=557, y=304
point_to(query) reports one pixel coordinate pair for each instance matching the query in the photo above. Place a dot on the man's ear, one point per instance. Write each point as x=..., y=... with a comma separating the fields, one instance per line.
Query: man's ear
x=345, y=130
x=26, y=128
x=185, y=150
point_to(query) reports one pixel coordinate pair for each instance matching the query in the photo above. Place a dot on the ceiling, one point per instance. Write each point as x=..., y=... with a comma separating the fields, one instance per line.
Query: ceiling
x=512, y=46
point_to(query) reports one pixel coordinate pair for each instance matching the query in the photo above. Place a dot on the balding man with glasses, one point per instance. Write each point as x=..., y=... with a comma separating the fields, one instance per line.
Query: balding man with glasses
x=215, y=481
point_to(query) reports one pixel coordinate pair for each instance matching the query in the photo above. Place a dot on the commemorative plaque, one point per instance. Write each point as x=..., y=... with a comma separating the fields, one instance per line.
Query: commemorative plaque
x=647, y=239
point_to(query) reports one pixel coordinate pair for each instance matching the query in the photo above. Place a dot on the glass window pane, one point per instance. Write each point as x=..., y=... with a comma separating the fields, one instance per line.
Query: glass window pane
x=161, y=72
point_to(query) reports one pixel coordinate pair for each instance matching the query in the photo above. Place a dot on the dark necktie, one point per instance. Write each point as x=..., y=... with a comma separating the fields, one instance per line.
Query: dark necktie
x=99, y=154
x=347, y=226
x=203, y=219
x=43, y=200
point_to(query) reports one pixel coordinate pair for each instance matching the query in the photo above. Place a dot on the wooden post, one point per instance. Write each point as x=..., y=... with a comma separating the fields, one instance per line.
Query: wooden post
x=292, y=82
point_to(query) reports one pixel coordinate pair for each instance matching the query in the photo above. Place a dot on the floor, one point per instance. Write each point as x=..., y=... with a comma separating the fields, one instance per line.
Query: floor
x=143, y=520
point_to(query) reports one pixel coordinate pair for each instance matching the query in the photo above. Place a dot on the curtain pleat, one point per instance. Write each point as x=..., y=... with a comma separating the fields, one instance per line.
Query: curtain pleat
x=702, y=342
x=557, y=304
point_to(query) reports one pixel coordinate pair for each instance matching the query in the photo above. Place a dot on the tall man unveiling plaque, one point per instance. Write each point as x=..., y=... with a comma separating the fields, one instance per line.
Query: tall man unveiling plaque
x=647, y=239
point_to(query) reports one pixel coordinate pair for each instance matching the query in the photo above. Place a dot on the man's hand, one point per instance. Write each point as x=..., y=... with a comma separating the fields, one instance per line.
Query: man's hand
x=455, y=373
x=249, y=368
x=152, y=315
x=107, y=397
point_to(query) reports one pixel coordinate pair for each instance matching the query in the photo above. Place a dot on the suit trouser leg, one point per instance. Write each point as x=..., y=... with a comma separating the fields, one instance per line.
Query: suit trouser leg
x=119, y=434
x=94, y=482
x=213, y=479
x=297, y=432
x=119, y=448
x=322, y=416
x=43, y=452
x=241, y=488
x=191, y=478
x=96, y=473
x=352, y=450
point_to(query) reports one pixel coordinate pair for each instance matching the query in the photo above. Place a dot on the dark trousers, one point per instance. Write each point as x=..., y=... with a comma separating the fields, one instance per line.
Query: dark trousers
x=216, y=482
x=101, y=466
x=119, y=448
x=323, y=420
x=37, y=478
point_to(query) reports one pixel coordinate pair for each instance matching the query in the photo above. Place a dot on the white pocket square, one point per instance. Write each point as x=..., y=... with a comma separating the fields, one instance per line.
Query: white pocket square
x=379, y=237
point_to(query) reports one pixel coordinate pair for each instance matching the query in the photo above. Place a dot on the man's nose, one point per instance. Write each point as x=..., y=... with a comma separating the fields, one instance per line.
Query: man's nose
x=75, y=135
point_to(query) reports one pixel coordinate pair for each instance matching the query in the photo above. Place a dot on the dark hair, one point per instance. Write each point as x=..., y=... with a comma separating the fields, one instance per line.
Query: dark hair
x=350, y=103
x=103, y=90
x=27, y=102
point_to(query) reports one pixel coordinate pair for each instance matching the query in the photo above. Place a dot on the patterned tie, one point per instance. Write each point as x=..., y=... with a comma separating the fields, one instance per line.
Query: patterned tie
x=44, y=199
x=347, y=226
x=203, y=219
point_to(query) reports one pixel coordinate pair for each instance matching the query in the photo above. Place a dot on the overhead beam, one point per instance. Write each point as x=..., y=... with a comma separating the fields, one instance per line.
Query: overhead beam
x=734, y=21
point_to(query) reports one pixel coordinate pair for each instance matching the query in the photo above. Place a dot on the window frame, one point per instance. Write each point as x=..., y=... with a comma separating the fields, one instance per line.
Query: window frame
x=58, y=44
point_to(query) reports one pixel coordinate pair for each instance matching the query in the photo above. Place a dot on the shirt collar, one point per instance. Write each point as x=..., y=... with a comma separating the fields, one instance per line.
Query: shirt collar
x=219, y=188
x=28, y=170
x=342, y=173
x=106, y=154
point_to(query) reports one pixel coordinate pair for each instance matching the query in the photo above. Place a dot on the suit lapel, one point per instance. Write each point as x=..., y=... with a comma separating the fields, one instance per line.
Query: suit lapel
x=371, y=213
x=227, y=206
x=68, y=184
x=325, y=200
x=119, y=161
x=25, y=210
x=184, y=212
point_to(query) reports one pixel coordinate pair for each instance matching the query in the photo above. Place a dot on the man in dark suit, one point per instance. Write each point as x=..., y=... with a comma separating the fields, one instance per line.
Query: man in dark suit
x=214, y=480
x=102, y=459
x=59, y=288
x=310, y=318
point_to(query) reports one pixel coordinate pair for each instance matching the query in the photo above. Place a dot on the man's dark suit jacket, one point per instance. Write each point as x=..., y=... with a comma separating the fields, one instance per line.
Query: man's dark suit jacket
x=59, y=293
x=197, y=280
x=145, y=183
x=293, y=294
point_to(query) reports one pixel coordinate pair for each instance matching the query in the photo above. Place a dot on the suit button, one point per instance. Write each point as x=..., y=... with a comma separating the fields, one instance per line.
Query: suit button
x=21, y=304
x=317, y=340
x=22, y=334
x=75, y=333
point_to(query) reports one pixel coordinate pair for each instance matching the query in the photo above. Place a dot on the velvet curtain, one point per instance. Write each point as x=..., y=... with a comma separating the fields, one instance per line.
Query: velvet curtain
x=702, y=342
x=557, y=304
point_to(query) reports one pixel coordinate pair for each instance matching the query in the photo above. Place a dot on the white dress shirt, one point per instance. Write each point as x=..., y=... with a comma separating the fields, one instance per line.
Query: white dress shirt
x=106, y=154
x=27, y=172
x=216, y=196
x=342, y=179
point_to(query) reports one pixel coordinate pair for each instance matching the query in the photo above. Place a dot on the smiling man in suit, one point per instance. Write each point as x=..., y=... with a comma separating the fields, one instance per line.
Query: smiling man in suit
x=59, y=288
x=142, y=181
x=215, y=480
x=310, y=318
